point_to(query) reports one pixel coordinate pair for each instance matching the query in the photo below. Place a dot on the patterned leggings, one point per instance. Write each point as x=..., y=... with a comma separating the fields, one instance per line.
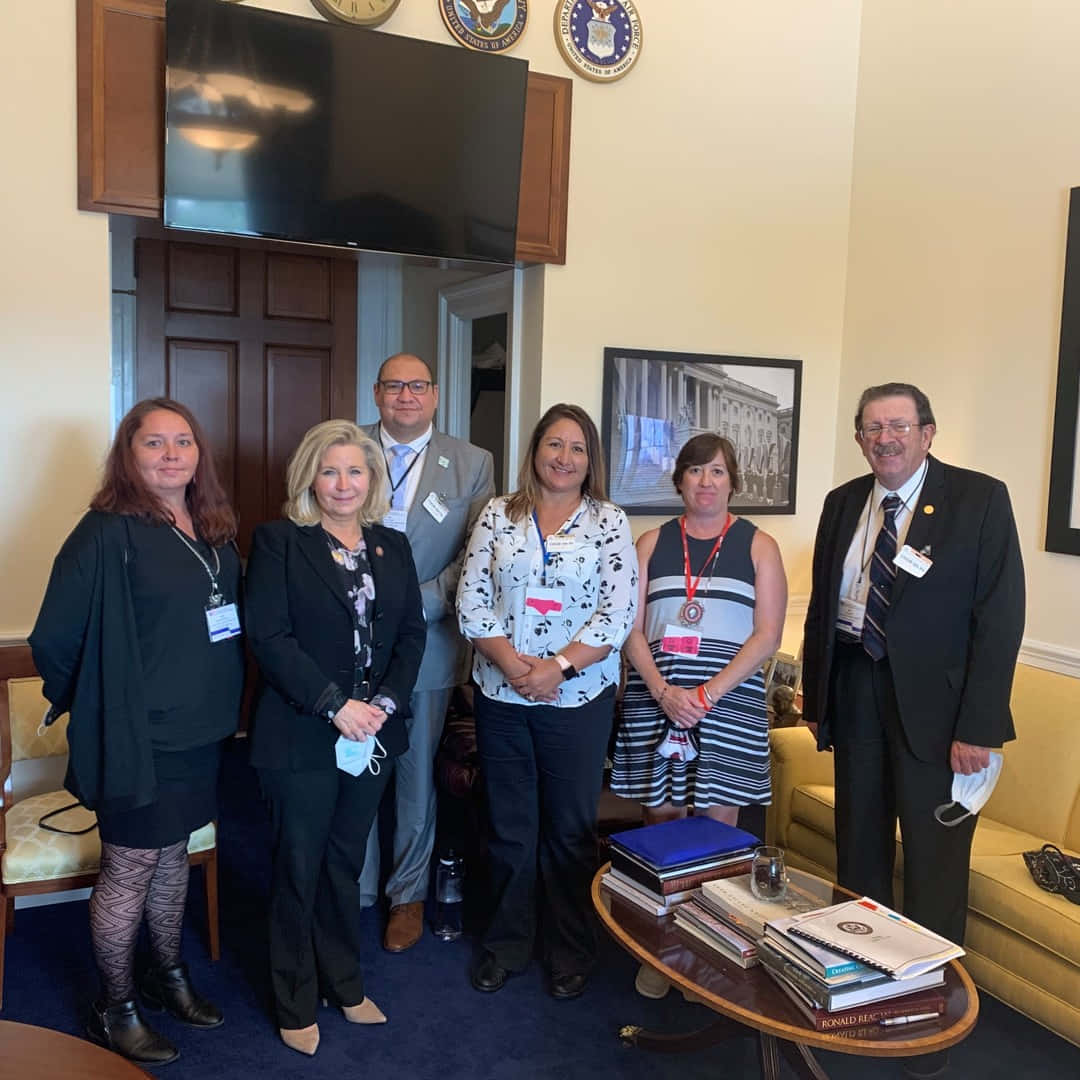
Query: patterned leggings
x=134, y=881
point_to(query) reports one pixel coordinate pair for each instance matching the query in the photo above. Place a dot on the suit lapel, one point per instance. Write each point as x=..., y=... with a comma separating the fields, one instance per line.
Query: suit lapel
x=429, y=481
x=845, y=530
x=314, y=546
x=925, y=519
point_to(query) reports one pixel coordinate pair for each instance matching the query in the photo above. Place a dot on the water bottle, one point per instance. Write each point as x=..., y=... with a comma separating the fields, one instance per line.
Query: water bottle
x=449, y=896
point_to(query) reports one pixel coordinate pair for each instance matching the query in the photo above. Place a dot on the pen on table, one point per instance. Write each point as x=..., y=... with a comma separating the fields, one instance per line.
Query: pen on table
x=908, y=1019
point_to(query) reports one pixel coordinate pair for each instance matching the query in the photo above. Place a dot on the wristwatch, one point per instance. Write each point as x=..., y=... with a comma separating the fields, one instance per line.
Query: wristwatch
x=568, y=669
x=384, y=702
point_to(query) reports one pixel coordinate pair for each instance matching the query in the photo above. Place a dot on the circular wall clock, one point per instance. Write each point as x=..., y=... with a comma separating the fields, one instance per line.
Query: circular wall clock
x=357, y=12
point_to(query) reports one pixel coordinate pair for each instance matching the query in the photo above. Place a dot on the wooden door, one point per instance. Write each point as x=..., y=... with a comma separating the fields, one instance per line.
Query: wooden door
x=259, y=344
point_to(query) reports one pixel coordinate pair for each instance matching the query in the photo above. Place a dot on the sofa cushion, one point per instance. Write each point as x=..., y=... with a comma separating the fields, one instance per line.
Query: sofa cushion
x=1001, y=890
x=812, y=805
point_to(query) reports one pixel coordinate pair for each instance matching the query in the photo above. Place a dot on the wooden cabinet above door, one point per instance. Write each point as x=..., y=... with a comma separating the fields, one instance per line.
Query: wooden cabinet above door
x=121, y=85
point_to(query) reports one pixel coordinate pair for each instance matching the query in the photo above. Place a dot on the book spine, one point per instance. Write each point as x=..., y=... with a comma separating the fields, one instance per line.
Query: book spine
x=635, y=871
x=873, y=1014
x=694, y=881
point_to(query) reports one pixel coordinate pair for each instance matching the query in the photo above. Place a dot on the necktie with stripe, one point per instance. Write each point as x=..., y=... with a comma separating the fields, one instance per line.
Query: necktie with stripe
x=882, y=576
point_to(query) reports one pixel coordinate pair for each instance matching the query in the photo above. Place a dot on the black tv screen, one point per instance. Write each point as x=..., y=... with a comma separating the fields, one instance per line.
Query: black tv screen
x=292, y=128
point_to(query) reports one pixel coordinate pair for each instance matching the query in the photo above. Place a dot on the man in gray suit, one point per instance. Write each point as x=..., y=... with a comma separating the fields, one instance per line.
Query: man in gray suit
x=439, y=485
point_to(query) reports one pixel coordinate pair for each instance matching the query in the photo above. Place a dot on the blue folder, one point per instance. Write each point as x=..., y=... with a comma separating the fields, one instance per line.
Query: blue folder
x=684, y=840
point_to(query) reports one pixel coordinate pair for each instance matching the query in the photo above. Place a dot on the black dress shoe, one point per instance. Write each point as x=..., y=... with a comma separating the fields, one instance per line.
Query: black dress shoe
x=121, y=1028
x=488, y=976
x=170, y=988
x=567, y=986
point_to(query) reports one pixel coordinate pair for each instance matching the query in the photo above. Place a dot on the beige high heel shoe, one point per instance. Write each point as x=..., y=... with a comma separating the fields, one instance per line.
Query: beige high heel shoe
x=304, y=1040
x=367, y=1012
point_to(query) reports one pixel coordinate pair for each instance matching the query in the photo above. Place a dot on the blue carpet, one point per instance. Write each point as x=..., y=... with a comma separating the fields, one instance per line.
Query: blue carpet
x=439, y=1027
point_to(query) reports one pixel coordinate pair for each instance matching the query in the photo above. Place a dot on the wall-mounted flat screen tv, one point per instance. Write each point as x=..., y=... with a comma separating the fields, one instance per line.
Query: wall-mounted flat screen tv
x=293, y=128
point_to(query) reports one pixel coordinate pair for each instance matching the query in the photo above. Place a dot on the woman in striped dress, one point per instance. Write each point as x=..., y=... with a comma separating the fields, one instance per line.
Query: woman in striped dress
x=712, y=601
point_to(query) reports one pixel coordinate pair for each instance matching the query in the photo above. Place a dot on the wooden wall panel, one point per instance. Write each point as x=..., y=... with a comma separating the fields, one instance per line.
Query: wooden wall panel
x=202, y=278
x=297, y=396
x=297, y=287
x=545, y=170
x=120, y=57
x=203, y=375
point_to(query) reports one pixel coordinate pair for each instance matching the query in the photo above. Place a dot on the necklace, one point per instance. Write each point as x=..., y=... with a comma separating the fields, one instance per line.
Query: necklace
x=693, y=611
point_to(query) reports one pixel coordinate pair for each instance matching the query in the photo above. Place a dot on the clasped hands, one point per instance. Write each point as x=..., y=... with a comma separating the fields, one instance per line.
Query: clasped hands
x=535, y=679
x=682, y=706
x=357, y=720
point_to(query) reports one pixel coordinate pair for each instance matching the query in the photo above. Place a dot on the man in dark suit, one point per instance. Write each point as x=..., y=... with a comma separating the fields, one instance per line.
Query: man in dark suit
x=908, y=665
x=439, y=486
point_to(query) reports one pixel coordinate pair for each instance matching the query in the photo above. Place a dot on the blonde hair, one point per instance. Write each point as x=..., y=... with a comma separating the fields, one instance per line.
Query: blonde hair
x=301, y=508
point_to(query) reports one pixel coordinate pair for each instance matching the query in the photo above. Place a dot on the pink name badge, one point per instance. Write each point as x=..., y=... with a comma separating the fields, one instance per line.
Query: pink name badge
x=679, y=641
x=543, y=601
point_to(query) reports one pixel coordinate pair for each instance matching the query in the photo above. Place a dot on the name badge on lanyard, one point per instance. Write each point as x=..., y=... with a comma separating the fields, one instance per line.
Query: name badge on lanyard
x=680, y=641
x=222, y=622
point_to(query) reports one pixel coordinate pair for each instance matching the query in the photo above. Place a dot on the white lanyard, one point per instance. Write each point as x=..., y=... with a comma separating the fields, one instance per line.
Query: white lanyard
x=216, y=599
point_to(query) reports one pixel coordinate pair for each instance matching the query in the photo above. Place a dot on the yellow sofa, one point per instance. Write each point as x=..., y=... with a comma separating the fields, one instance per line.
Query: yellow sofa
x=1023, y=944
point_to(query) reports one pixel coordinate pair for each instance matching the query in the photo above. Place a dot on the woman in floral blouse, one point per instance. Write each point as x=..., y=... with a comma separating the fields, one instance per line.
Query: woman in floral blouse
x=547, y=596
x=336, y=624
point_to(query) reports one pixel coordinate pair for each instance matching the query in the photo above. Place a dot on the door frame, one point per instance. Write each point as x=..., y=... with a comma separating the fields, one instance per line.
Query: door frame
x=458, y=306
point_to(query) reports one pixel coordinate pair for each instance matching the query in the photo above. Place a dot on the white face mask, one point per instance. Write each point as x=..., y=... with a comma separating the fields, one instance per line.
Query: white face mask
x=354, y=756
x=678, y=744
x=971, y=793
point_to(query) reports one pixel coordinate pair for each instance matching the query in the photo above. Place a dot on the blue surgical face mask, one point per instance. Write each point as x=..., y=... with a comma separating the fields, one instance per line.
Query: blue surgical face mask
x=354, y=755
x=972, y=792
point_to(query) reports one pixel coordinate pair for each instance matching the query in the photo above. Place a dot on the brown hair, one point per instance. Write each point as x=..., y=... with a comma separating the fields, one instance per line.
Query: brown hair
x=895, y=389
x=594, y=486
x=700, y=450
x=123, y=490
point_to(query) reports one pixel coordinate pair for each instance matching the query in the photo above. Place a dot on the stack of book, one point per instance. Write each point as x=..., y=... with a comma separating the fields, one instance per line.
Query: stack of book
x=658, y=867
x=726, y=916
x=857, y=964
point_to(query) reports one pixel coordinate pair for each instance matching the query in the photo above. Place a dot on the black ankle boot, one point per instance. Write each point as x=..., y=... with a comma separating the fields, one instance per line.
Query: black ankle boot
x=170, y=988
x=121, y=1028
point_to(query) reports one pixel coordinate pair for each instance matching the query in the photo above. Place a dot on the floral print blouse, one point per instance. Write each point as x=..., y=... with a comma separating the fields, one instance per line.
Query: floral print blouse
x=359, y=585
x=595, y=572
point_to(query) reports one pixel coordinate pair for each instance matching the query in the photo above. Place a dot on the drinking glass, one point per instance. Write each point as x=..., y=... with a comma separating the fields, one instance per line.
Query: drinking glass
x=768, y=874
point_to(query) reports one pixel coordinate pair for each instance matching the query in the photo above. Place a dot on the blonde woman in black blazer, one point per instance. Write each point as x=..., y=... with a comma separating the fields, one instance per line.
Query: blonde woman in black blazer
x=336, y=624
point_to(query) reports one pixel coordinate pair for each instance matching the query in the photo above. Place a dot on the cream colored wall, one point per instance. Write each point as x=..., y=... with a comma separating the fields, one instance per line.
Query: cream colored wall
x=965, y=149
x=54, y=309
x=709, y=202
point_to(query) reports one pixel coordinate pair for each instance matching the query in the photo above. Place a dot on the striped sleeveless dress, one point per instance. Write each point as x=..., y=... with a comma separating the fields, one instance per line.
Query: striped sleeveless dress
x=732, y=766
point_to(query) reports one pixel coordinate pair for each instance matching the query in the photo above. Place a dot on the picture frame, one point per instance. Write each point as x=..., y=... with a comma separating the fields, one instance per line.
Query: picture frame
x=1063, y=500
x=783, y=668
x=655, y=401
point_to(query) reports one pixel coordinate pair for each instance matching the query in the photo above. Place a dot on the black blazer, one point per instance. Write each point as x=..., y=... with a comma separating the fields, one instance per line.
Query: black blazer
x=952, y=635
x=300, y=629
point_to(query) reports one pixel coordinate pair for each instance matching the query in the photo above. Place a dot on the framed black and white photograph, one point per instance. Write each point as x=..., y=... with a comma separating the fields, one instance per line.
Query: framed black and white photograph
x=655, y=401
x=783, y=669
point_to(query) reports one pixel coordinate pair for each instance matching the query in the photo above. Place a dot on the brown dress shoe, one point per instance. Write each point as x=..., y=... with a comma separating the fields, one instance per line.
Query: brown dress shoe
x=405, y=928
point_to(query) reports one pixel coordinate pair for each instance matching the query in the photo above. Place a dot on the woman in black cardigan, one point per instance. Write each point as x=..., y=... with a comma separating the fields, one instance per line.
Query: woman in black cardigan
x=336, y=624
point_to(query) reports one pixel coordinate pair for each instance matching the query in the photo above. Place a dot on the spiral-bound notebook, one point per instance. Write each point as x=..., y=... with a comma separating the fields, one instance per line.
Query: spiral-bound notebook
x=877, y=936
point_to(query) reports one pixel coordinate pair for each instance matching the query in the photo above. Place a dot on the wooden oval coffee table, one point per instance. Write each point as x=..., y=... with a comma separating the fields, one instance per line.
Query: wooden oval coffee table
x=27, y=1051
x=749, y=1002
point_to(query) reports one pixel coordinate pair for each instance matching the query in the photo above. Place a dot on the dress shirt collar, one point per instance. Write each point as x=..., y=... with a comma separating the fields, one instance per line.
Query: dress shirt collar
x=908, y=491
x=417, y=445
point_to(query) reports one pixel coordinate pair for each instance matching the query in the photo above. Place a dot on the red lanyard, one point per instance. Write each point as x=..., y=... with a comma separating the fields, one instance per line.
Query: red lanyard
x=692, y=587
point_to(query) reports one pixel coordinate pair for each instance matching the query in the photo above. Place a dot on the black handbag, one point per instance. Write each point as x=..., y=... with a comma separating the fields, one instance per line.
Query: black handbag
x=1051, y=869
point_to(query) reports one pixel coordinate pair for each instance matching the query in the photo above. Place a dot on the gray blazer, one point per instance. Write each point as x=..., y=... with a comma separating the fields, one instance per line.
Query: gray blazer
x=466, y=481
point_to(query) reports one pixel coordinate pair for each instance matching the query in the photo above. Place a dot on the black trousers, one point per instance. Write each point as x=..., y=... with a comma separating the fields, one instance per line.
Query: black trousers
x=320, y=821
x=879, y=781
x=542, y=767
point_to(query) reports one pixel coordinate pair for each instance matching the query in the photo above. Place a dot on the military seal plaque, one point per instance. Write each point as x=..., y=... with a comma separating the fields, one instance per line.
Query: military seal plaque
x=485, y=25
x=599, y=39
